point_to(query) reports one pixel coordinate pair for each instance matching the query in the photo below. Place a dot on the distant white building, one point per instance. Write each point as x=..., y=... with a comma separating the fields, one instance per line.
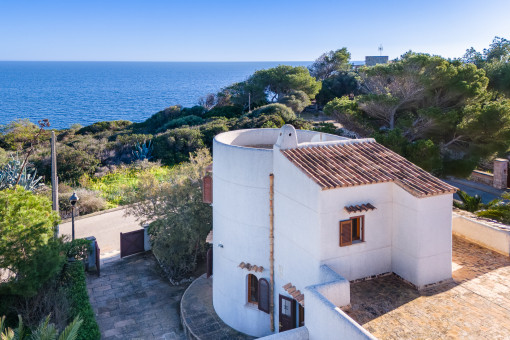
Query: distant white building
x=299, y=214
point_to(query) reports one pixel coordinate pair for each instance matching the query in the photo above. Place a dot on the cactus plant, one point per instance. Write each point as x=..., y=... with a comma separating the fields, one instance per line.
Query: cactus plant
x=143, y=151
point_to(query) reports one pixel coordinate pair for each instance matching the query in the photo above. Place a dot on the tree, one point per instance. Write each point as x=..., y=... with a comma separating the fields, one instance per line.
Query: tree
x=296, y=100
x=29, y=255
x=180, y=221
x=499, y=76
x=276, y=109
x=417, y=82
x=341, y=84
x=208, y=101
x=495, y=60
x=330, y=64
x=246, y=94
x=499, y=50
x=348, y=113
x=281, y=80
x=426, y=105
x=389, y=90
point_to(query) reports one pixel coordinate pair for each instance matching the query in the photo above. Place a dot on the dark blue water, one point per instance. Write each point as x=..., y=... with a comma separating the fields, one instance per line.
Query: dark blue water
x=86, y=92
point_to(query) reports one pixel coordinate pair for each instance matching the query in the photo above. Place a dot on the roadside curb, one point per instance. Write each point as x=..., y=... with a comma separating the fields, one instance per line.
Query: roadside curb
x=97, y=213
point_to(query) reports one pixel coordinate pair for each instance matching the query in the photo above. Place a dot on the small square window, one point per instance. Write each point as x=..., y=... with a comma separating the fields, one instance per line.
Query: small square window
x=352, y=231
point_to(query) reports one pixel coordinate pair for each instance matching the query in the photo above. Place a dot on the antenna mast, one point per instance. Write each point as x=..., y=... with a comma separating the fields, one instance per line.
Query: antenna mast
x=380, y=48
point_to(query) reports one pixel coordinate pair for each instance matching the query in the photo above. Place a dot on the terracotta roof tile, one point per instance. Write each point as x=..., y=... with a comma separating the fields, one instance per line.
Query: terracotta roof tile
x=359, y=208
x=361, y=163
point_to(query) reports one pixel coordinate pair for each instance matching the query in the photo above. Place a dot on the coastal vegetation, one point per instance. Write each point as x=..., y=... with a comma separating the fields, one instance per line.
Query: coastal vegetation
x=40, y=290
x=447, y=116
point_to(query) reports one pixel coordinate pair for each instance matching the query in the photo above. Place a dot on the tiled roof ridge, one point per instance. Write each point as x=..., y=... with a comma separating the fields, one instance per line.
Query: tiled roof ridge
x=360, y=162
x=335, y=142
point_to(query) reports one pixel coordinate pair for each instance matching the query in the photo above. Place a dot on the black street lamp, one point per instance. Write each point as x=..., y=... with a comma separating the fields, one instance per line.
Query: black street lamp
x=73, y=199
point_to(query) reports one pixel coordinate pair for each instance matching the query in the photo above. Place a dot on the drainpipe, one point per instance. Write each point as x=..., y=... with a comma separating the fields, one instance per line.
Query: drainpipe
x=271, y=249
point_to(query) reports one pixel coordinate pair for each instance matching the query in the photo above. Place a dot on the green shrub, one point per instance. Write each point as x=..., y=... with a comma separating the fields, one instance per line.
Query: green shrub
x=27, y=247
x=225, y=111
x=74, y=276
x=77, y=249
x=211, y=129
x=181, y=220
x=196, y=110
x=157, y=120
x=4, y=157
x=326, y=128
x=174, y=146
x=104, y=126
x=275, y=109
x=118, y=186
x=130, y=139
x=73, y=164
x=90, y=201
x=258, y=122
x=178, y=122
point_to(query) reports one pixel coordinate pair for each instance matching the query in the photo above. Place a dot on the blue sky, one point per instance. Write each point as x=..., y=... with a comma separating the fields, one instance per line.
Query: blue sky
x=243, y=30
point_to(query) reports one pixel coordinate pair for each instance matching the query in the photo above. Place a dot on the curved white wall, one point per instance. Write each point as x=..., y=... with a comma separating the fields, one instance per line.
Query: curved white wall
x=241, y=225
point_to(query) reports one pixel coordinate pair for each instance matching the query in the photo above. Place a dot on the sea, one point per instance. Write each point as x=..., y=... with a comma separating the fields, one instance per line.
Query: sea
x=83, y=93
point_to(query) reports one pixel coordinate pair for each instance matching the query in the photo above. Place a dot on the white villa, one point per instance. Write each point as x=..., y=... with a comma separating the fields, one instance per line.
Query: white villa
x=297, y=215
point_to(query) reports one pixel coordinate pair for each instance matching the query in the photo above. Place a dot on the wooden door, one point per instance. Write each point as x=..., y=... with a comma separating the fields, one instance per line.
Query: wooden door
x=132, y=243
x=287, y=313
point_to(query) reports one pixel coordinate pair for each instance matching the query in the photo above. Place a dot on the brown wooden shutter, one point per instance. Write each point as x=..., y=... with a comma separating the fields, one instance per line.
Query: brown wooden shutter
x=345, y=233
x=207, y=189
x=209, y=262
x=264, y=295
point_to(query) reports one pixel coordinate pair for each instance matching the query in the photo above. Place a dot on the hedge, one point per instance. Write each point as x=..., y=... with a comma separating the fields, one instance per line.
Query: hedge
x=79, y=300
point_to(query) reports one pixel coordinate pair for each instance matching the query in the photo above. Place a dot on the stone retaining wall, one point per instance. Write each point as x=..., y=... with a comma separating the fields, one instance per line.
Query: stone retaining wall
x=482, y=177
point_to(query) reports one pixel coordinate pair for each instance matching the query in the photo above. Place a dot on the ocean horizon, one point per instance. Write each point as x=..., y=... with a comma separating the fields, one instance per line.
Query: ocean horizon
x=85, y=92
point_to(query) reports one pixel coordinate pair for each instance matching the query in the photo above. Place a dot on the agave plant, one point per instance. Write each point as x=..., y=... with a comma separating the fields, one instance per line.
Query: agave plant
x=143, y=151
x=10, y=173
x=45, y=331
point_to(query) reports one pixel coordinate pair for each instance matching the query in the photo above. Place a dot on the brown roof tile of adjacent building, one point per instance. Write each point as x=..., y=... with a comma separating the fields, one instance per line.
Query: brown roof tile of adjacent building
x=364, y=162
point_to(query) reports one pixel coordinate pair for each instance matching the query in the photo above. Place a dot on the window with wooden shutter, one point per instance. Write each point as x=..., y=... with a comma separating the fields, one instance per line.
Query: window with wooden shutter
x=264, y=295
x=345, y=233
x=253, y=289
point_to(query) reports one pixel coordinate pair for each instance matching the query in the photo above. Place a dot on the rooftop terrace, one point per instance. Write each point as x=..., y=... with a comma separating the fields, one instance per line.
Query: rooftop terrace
x=476, y=305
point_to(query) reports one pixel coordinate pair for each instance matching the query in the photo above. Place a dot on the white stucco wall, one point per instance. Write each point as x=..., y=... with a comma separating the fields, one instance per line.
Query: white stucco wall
x=422, y=237
x=359, y=260
x=324, y=320
x=241, y=226
x=481, y=233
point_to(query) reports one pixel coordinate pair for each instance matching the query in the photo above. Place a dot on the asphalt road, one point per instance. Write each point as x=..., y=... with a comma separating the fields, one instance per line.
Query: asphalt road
x=106, y=228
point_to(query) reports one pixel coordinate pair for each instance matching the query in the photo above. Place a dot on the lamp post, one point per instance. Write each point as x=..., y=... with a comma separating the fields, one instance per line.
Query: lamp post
x=73, y=199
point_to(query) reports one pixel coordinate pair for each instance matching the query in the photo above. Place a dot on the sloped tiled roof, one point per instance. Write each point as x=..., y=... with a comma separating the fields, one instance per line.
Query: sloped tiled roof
x=363, y=162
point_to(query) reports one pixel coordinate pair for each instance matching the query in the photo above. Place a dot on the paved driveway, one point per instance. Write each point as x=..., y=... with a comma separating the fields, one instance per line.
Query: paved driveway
x=105, y=227
x=131, y=300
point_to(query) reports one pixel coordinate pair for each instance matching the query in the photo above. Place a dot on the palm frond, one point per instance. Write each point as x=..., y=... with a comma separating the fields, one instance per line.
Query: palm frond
x=71, y=331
